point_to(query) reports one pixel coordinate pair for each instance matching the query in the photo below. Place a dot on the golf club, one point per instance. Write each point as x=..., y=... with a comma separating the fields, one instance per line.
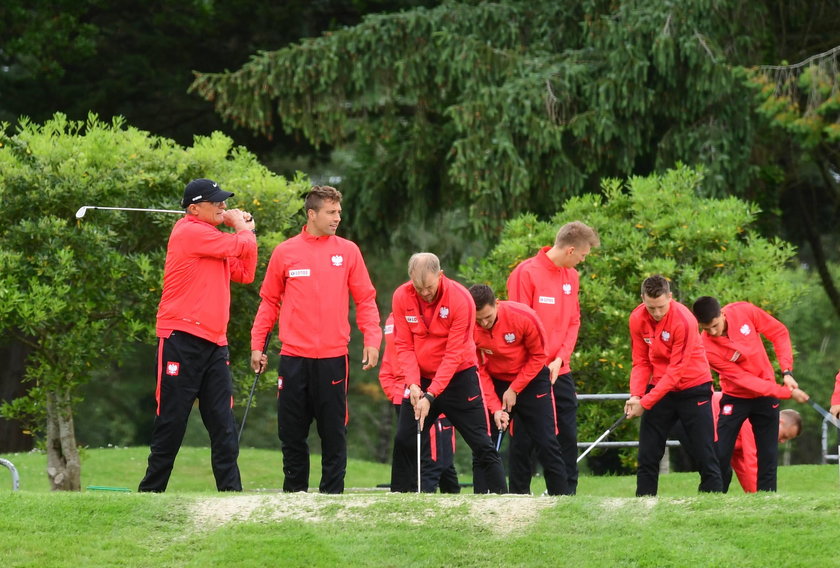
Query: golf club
x=601, y=437
x=83, y=209
x=502, y=432
x=253, y=386
x=825, y=414
x=418, y=456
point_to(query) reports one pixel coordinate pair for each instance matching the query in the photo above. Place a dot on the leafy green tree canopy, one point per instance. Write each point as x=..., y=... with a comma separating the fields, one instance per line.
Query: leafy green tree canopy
x=78, y=292
x=648, y=225
x=494, y=108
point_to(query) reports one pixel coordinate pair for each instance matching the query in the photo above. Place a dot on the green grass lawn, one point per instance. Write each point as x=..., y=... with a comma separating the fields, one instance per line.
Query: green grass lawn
x=603, y=525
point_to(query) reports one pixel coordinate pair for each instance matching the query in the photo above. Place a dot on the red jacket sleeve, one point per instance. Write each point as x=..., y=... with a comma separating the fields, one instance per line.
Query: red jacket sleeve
x=735, y=373
x=364, y=295
x=488, y=390
x=642, y=370
x=777, y=333
x=271, y=294
x=835, y=398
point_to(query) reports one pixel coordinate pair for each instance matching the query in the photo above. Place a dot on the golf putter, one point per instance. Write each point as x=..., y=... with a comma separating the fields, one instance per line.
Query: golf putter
x=601, y=437
x=418, y=456
x=253, y=386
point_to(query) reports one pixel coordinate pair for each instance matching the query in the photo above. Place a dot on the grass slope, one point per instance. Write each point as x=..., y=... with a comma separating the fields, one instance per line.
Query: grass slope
x=603, y=525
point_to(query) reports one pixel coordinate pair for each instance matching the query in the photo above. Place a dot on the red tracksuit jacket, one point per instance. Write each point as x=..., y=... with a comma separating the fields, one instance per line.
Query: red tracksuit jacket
x=434, y=340
x=390, y=376
x=308, y=284
x=512, y=351
x=835, y=397
x=201, y=261
x=552, y=292
x=739, y=356
x=667, y=354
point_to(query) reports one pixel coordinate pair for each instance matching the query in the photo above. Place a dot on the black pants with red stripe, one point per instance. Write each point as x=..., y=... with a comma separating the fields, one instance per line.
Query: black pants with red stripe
x=693, y=408
x=437, y=452
x=462, y=403
x=310, y=389
x=191, y=368
x=763, y=413
x=565, y=413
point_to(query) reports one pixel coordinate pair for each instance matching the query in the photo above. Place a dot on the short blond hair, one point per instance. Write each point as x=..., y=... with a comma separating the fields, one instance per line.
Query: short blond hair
x=577, y=234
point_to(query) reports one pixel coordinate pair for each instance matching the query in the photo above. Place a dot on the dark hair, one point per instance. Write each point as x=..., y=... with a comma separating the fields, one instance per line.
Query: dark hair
x=706, y=309
x=482, y=295
x=654, y=286
x=318, y=194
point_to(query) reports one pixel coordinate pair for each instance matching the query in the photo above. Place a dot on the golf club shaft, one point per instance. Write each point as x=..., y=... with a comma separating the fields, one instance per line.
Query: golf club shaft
x=601, y=437
x=418, y=456
x=825, y=414
x=82, y=210
x=253, y=386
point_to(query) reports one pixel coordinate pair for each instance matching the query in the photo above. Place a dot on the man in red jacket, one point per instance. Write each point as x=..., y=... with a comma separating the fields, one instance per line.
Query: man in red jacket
x=434, y=318
x=438, y=443
x=548, y=283
x=732, y=339
x=670, y=380
x=307, y=286
x=511, y=352
x=192, y=318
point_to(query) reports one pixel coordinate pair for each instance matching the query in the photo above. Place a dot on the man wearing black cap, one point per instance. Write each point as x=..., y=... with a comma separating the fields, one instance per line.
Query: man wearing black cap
x=192, y=354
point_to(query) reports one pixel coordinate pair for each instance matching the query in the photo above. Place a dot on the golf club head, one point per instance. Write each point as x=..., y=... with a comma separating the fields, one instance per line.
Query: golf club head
x=81, y=212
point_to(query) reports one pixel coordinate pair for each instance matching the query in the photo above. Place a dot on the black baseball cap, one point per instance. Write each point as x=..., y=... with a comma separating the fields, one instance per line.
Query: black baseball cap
x=202, y=189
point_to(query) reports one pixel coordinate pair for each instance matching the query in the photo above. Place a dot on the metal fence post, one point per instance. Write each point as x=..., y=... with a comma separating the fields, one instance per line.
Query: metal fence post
x=15, y=478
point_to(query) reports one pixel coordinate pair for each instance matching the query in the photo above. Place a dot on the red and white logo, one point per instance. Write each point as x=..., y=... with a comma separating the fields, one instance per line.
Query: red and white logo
x=280, y=383
x=567, y=289
x=173, y=368
x=726, y=410
x=510, y=338
x=666, y=336
x=444, y=312
x=745, y=329
x=337, y=260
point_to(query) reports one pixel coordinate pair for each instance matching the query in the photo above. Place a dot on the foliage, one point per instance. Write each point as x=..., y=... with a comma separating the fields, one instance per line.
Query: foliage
x=80, y=292
x=494, y=108
x=816, y=339
x=648, y=225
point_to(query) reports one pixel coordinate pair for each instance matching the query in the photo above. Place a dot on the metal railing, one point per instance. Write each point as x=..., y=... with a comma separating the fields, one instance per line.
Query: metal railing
x=624, y=444
x=15, y=477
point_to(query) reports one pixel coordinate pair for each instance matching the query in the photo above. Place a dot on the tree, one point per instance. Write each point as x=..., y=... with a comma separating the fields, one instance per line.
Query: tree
x=473, y=112
x=648, y=225
x=77, y=293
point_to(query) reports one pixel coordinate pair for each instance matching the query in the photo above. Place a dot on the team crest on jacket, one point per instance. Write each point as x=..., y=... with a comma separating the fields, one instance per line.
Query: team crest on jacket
x=726, y=410
x=567, y=289
x=510, y=338
x=173, y=368
x=444, y=312
x=666, y=336
x=745, y=329
x=337, y=260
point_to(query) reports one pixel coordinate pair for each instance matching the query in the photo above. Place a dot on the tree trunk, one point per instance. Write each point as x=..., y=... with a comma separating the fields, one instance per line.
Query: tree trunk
x=63, y=466
x=12, y=366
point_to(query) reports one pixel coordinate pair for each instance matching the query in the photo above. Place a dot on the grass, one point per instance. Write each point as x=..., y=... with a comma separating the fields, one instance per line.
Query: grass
x=191, y=525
